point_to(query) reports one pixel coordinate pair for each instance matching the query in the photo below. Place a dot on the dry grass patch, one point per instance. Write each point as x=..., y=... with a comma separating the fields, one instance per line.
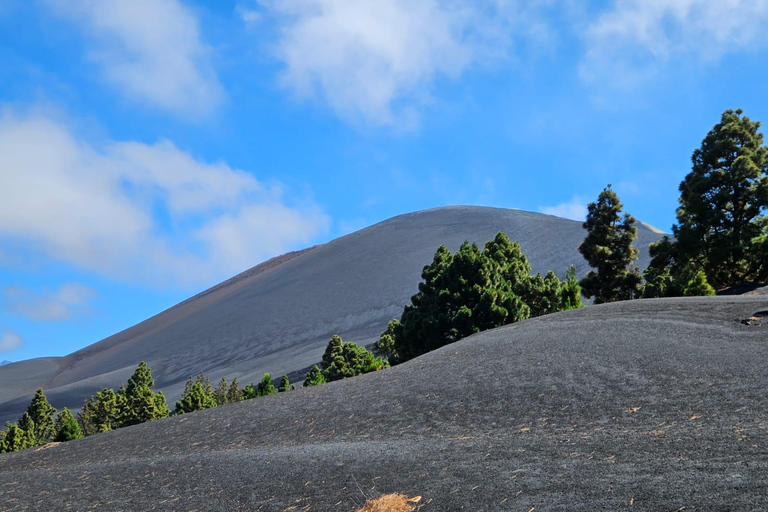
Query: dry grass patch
x=391, y=503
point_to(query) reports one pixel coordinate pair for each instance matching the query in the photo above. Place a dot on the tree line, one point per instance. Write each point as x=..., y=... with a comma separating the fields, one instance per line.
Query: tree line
x=136, y=402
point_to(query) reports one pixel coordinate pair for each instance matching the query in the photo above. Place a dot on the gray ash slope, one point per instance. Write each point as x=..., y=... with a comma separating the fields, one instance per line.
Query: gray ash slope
x=278, y=316
x=656, y=403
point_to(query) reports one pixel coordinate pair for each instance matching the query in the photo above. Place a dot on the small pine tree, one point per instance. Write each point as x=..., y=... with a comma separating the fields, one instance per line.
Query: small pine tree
x=16, y=438
x=285, y=384
x=220, y=394
x=196, y=397
x=27, y=426
x=249, y=392
x=101, y=412
x=266, y=387
x=343, y=360
x=41, y=412
x=67, y=428
x=141, y=403
x=570, y=291
x=234, y=394
x=698, y=286
x=314, y=377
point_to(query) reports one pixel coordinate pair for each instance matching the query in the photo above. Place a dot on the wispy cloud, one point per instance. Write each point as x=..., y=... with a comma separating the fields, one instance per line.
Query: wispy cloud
x=68, y=301
x=151, y=49
x=10, y=341
x=635, y=39
x=575, y=209
x=376, y=61
x=133, y=211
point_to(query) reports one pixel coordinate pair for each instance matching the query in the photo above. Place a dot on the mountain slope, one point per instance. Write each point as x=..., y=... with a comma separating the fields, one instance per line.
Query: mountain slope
x=646, y=405
x=278, y=316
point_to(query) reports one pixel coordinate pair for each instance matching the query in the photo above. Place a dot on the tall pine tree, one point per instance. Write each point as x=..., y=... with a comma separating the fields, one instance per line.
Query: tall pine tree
x=41, y=413
x=722, y=200
x=608, y=249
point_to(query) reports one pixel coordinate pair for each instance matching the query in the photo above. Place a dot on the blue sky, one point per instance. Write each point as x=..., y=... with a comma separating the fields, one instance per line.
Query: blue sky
x=152, y=148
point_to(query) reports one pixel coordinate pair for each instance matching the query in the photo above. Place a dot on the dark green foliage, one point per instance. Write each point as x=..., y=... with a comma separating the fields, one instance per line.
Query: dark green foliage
x=608, y=249
x=41, y=413
x=101, y=412
x=285, y=384
x=141, y=403
x=314, y=377
x=386, y=345
x=220, y=394
x=721, y=201
x=197, y=395
x=16, y=438
x=698, y=286
x=342, y=360
x=234, y=394
x=470, y=292
x=27, y=425
x=66, y=428
x=266, y=387
x=658, y=275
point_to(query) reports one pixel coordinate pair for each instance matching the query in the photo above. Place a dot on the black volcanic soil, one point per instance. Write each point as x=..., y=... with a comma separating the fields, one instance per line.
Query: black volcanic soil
x=655, y=405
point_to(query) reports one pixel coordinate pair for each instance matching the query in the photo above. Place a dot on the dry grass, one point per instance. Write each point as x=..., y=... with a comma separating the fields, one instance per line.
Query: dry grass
x=391, y=503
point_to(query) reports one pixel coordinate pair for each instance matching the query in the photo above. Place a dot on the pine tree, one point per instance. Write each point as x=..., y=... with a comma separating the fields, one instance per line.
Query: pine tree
x=67, y=427
x=721, y=202
x=608, y=249
x=27, y=426
x=220, y=394
x=249, y=392
x=470, y=292
x=343, y=360
x=197, y=396
x=234, y=394
x=285, y=384
x=101, y=413
x=141, y=403
x=698, y=286
x=16, y=438
x=570, y=291
x=266, y=387
x=314, y=377
x=41, y=413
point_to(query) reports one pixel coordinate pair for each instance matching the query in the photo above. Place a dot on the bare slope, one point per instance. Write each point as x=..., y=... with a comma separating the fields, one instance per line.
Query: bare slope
x=644, y=405
x=278, y=316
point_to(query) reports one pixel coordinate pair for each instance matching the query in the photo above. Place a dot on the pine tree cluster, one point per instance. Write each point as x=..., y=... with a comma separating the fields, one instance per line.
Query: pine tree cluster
x=471, y=291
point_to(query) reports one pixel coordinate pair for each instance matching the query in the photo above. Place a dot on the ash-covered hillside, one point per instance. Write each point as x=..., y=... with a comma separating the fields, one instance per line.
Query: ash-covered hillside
x=279, y=316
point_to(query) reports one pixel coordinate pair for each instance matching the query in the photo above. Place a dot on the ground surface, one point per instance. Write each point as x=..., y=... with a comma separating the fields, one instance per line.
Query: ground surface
x=655, y=405
x=279, y=316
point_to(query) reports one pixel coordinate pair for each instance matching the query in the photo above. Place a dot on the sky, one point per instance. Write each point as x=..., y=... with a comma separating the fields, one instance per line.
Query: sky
x=150, y=149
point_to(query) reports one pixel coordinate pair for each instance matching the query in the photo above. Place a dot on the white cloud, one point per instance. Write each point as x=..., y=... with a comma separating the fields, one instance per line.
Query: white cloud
x=635, y=39
x=137, y=211
x=376, y=61
x=9, y=341
x=69, y=300
x=575, y=209
x=151, y=49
